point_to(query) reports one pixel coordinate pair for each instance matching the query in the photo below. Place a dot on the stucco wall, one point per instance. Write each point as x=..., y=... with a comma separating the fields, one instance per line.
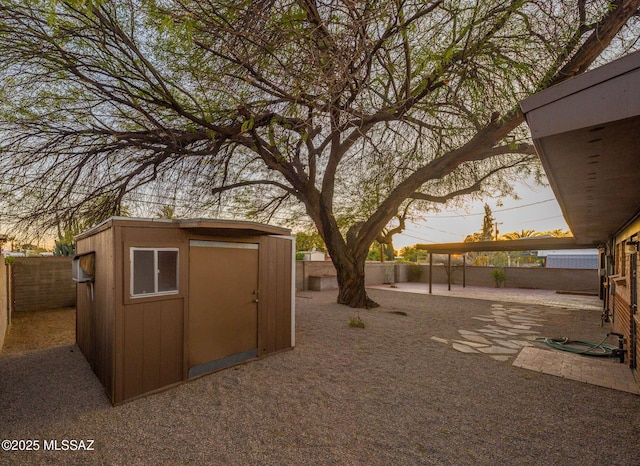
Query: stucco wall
x=316, y=268
x=42, y=283
x=517, y=277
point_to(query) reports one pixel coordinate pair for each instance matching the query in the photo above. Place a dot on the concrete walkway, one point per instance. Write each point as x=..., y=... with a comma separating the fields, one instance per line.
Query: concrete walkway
x=512, y=331
x=603, y=372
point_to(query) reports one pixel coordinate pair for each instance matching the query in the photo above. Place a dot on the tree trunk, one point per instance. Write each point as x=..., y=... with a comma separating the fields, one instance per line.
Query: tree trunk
x=350, y=273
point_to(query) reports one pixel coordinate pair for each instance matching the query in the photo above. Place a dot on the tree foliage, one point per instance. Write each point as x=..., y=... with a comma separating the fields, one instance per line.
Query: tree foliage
x=487, y=230
x=309, y=240
x=522, y=234
x=347, y=110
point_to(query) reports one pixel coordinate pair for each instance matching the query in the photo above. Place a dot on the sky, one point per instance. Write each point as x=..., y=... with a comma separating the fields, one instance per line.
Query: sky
x=537, y=209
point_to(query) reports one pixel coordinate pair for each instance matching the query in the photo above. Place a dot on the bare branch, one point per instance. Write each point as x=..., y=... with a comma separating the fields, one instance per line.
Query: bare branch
x=242, y=184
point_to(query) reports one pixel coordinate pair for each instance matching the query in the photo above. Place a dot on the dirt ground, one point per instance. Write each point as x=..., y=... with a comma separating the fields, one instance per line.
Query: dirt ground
x=394, y=393
x=35, y=330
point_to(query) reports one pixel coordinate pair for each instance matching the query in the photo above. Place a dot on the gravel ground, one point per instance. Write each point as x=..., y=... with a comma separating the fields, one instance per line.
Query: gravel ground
x=34, y=330
x=387, y=394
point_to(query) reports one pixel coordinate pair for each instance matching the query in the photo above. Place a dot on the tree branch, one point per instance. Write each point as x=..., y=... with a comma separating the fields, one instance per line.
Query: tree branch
x=475, y=187
x=242, y=184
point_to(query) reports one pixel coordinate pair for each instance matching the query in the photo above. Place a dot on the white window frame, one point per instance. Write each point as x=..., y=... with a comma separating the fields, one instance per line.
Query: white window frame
x=155, y=276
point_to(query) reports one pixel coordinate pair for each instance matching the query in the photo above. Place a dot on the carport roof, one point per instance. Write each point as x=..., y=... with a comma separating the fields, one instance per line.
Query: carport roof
x=587, y=133
x=526, y=244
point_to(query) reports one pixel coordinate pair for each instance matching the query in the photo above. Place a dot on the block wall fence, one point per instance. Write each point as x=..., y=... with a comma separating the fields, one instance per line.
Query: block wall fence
x=585, y=280
x=40, y=283
x=32, y=283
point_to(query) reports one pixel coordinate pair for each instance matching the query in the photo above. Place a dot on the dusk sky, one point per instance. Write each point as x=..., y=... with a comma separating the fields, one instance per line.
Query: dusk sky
x=536, y=210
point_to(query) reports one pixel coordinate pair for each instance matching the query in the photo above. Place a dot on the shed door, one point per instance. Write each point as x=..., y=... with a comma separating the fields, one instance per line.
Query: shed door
x=223, y=310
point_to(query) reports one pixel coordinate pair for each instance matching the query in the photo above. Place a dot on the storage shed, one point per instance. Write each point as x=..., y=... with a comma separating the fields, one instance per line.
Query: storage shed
x=163, y=301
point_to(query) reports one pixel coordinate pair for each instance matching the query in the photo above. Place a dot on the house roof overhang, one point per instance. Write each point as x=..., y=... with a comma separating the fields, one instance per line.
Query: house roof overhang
x=526, y=244
x=587, y=133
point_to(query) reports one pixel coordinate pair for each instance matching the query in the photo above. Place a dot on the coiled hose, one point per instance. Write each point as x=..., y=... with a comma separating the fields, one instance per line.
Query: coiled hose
x=574, y=346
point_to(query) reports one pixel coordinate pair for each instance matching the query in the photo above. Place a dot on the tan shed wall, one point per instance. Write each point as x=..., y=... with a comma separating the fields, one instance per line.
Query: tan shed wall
x=152, y=346
x=149, y=345
x=138, y=345
x=274, y=311
x=95, y=317
x=4, y=305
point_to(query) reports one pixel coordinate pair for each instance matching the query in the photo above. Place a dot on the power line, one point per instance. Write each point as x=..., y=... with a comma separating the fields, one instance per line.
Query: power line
x=434, y=229
x=421, y=239
x=499, y=210
x=139, y=198
x=546, y=218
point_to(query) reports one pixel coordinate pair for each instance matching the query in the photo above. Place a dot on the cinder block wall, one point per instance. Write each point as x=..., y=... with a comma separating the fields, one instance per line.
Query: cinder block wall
x=517, y=277
x=42, y=283
x=315, y=268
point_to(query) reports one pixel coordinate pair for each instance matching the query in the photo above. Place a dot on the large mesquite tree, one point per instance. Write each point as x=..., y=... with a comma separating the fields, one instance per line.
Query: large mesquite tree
x=353, y=110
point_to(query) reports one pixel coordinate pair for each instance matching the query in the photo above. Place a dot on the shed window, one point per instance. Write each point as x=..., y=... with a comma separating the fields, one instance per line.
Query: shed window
x=154, y=271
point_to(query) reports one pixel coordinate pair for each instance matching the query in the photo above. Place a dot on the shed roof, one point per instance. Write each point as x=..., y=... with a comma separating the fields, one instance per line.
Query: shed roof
x=200, y=225
x=587, y=133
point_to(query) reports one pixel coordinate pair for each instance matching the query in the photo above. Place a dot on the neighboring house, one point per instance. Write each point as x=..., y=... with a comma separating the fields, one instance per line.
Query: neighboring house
x=587, y=133
x=570, y=259
x=7, y=253
x=312, y=255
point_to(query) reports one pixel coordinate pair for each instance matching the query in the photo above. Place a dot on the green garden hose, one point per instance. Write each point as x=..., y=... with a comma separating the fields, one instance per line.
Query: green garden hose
x=592, y=349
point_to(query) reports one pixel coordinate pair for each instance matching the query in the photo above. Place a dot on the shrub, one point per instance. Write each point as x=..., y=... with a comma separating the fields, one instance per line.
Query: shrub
x=64, y=249
x=356, y=322
x=499, y=277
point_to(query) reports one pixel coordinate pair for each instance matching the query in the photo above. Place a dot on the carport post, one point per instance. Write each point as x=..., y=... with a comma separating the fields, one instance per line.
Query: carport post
x=449, y=270
x=464, y=270
x=430, y=273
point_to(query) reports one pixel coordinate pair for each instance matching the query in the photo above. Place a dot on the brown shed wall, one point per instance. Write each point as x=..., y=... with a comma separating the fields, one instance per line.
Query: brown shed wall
x=149, y=332
x=95, y=308
x=138, y=345
x=152, y=347
x=274, y=310
x=4, y=304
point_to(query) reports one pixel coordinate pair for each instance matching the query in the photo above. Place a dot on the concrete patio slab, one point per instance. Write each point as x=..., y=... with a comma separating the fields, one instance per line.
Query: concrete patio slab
x=595, y=371
x=510, y=295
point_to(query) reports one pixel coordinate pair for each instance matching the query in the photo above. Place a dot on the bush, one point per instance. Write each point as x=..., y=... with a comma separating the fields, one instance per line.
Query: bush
x=356, y=322
x=499, y=277
x=64, y=249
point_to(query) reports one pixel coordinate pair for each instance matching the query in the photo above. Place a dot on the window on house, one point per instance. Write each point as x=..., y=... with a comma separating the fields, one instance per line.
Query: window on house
x=154, y=271
x=623, y=259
